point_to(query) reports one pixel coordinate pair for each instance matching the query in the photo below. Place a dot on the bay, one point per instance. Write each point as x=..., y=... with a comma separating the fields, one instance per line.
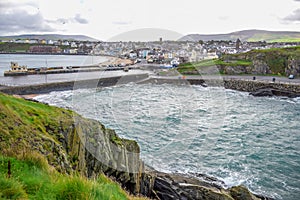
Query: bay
x=235, y=137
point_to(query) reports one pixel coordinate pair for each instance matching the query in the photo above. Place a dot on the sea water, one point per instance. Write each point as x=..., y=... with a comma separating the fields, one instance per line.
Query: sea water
x=235, y=137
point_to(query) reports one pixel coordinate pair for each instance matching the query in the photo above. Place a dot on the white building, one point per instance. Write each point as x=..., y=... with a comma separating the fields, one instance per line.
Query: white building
x=73, y=45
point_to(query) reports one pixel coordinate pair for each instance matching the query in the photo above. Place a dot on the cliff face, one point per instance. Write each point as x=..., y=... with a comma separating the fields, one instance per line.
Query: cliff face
x=293, y=66
x=94, y=149
x=72, y=143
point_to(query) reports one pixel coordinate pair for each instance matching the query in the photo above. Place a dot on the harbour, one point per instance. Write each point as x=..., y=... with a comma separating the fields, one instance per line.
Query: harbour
x=48, y=61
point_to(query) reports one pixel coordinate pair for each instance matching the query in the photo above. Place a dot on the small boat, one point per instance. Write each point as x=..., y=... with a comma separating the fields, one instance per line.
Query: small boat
x=16, y=70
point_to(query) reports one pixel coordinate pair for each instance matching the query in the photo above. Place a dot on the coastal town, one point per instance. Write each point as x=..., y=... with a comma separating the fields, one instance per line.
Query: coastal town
x=160, y=51
x=231, y=57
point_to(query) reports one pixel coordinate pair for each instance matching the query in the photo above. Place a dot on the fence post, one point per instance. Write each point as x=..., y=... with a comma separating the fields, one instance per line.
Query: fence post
x=8, y=169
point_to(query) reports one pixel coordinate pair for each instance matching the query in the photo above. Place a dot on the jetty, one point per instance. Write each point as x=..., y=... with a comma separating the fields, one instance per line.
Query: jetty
x=16, y=70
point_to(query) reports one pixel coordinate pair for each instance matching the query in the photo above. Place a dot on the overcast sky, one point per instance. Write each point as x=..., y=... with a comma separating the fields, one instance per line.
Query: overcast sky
x=106, y=19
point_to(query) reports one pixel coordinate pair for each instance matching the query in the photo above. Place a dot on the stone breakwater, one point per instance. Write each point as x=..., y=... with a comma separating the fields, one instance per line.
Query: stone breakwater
x=262, y=88
x=255, y=87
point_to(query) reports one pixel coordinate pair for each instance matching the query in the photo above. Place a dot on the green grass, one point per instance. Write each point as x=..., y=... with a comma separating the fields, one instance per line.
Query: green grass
x=233, y=63
x=274, y=38
x=20, y=47
x=284, y=40
x=20, y=116
x=14, y=47
x=31, y=181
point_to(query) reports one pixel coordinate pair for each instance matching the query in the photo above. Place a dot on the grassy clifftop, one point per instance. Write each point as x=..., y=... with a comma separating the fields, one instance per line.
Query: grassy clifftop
x=32, y=178
x=48, y=158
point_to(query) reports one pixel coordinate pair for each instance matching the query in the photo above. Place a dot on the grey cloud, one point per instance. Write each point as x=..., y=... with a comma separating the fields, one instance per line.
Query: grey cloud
x=7, y=4
x=76, y=19
x=59, y=21
x=121, y=23
x=80, y=20
x=294, y=17
x=14, y=19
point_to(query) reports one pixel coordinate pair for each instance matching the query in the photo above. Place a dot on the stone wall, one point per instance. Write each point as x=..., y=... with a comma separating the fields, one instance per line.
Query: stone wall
x=252, y=86
x=71, y=85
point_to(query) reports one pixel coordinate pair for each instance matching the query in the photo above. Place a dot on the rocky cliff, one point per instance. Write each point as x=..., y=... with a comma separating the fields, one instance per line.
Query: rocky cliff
x=73, y=144
x=282, y=61
x=293, y=66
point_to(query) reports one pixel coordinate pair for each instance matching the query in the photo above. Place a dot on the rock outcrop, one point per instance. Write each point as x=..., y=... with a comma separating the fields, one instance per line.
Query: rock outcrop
x=293, y=67
x=274, y=92
x=178, y=186
x=236, y=70
x=260, y=66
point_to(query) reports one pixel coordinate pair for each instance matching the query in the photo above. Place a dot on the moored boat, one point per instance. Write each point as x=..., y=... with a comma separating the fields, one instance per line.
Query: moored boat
x=16, y=70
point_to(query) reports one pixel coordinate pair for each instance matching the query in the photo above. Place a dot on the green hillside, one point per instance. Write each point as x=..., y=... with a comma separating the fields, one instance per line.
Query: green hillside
x=248, y=35
x=32, y=178
x=44, y=164
x=49, y=37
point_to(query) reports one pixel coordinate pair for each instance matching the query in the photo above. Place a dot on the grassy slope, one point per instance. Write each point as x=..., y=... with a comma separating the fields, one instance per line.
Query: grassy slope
x=16, y=47
x=249, y=35
x=275, y=37
x=33, y=179
x=191, y=68
x=23, y=121
x=13, y=47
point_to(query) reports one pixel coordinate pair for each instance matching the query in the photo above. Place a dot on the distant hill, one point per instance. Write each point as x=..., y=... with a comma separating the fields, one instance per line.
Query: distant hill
x=248, y=35
x=50, y=37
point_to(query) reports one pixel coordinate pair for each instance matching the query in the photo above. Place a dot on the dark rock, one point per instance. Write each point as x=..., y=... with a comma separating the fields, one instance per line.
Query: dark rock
x=263, y=92
x=293, y=66
x=183, y=187
x=260, y=66
x=274, y=92
x=241, y=192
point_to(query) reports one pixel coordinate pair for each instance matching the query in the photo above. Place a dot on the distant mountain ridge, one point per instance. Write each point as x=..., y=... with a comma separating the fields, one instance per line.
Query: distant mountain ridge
x=49, y=37
x=248, y=35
